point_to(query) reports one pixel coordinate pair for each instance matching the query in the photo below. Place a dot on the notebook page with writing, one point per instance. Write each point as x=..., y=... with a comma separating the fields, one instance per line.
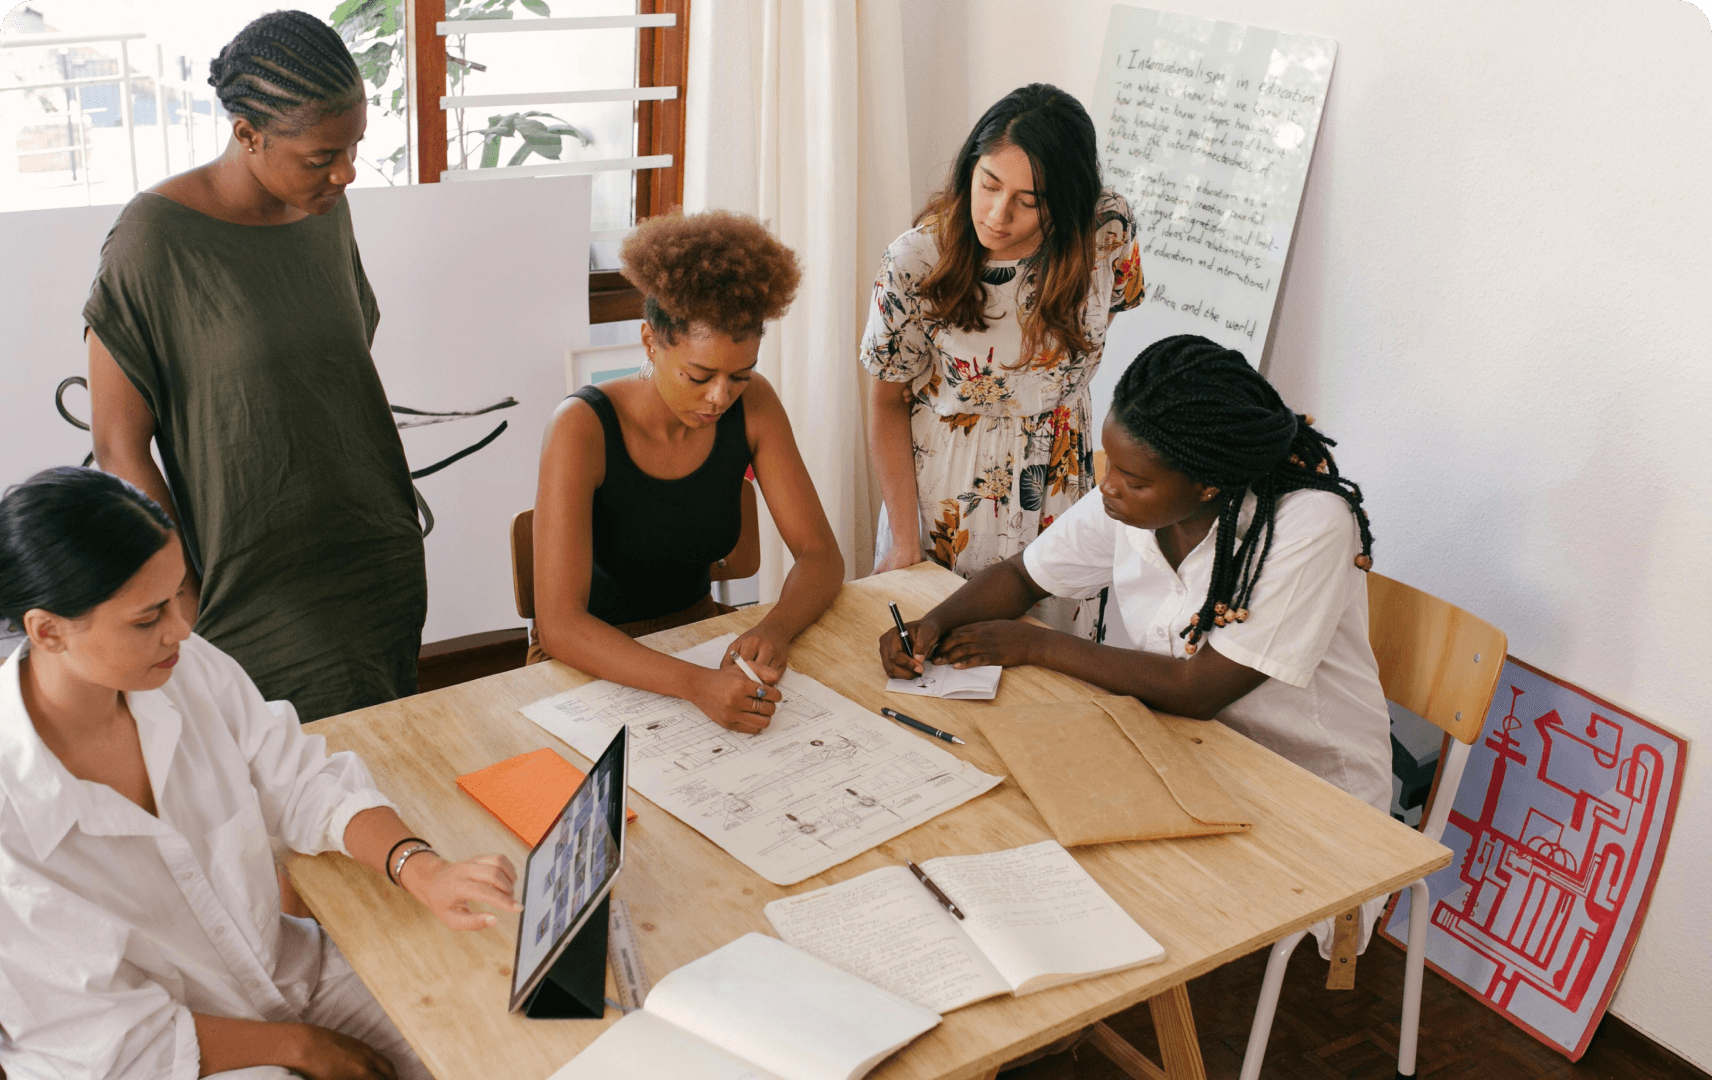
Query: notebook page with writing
x=945, y=681
x=887, y=928
x=643, y=1047
x=787, y=1012
x=1039, y=917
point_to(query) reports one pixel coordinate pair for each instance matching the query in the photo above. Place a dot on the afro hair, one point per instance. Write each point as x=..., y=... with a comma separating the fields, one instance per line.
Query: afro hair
x=715, y=270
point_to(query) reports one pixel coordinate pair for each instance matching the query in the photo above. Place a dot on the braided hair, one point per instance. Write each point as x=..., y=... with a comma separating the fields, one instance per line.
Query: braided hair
x=1215, y=419
x=280, y=64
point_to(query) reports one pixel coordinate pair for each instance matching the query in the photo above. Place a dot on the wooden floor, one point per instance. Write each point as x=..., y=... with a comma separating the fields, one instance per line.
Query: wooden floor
x=1322, y=1034
x=1318, y=1034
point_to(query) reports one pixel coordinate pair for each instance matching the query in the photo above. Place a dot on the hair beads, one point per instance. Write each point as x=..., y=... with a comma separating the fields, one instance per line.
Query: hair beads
x=1217, y=420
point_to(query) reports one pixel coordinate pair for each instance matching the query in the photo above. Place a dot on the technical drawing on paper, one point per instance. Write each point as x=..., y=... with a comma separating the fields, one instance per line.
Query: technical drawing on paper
x=826, y=781
x=1556, y=854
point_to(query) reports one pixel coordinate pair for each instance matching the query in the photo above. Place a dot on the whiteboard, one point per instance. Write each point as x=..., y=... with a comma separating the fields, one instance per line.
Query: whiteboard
x=1207, y=127
x=482, y=289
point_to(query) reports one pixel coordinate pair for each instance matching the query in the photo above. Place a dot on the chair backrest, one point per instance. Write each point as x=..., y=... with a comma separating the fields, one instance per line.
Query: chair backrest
x=1435, y=659
x=523, y=562
x=744, y=560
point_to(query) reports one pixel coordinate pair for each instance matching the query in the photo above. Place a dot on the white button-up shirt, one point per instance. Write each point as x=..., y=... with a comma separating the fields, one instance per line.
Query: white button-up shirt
x=1321, y=705
x=114, y=925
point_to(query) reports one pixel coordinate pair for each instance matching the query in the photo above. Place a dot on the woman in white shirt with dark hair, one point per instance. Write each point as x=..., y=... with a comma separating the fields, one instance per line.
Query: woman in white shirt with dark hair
x=1234, y=553
x=142, y=780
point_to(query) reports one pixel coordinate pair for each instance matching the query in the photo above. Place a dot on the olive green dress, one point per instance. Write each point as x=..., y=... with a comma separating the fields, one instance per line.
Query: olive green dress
x=250, y=345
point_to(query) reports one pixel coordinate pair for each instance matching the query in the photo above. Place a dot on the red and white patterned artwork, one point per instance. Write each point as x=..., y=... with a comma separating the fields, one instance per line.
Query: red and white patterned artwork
x=1558, y=830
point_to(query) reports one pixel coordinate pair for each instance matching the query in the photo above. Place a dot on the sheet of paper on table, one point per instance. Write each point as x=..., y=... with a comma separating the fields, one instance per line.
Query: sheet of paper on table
x=826, y=781
x=945, y=681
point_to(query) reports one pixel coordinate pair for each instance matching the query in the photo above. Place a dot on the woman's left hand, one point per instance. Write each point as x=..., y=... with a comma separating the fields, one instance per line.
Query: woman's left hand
x=762, y=647
x=1005, y=642
x=448, y=889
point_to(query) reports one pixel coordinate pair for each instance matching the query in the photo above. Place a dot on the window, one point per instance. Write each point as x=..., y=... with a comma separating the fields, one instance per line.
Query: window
x=100, y=99
x=510, y=88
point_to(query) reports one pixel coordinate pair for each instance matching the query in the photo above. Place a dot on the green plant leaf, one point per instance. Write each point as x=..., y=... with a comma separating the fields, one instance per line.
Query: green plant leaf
x=345, y=10
x=574, y=132
x=539, y=7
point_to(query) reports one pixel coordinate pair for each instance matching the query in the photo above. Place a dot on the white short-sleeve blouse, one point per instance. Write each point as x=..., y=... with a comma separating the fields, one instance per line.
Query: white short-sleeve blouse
x=1321, y=705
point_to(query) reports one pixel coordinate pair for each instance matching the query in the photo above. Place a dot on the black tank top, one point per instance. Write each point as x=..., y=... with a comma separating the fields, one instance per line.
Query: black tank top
x=655, y=539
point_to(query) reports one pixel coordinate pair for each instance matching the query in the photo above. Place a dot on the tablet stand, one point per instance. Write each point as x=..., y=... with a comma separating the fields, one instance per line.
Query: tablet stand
x=575, y=987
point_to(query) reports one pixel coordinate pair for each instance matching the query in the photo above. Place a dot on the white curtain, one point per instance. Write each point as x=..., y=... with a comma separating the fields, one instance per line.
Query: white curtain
x=795, y=114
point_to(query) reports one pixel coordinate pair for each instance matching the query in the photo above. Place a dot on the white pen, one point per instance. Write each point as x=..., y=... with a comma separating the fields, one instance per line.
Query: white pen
x=743, y=666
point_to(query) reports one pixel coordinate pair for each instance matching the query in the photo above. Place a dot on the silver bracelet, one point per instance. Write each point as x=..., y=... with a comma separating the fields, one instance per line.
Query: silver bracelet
x=403, y=856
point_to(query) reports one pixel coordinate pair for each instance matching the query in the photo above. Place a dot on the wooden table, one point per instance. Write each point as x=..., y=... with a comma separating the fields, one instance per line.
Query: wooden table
x=1314, y=851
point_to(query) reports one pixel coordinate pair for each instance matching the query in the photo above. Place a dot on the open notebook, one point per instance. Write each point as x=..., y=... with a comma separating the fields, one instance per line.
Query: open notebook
x=755, y=1009
x=1033, y=918
x=945, y=681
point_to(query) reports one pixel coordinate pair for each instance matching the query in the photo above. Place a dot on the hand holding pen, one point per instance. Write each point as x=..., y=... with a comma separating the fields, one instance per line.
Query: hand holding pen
x=905, y=647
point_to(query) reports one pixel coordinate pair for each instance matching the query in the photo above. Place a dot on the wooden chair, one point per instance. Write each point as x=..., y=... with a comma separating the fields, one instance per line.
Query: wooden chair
x=1443, y=664
x=744, y=560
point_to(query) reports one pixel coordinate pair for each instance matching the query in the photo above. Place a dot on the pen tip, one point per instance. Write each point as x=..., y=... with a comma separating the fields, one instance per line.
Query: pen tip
x=958, y=741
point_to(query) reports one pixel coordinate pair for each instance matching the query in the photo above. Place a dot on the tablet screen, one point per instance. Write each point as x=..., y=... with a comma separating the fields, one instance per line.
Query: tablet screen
x=570, y=870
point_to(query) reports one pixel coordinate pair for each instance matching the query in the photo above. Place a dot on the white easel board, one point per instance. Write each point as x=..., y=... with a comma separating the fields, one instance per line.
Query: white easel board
x=1207, y=127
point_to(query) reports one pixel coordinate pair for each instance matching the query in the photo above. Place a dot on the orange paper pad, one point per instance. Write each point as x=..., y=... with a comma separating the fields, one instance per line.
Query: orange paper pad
x=526, y=792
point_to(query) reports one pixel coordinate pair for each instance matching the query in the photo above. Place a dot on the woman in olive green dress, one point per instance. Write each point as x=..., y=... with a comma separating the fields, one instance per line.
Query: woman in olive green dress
x=230, y=324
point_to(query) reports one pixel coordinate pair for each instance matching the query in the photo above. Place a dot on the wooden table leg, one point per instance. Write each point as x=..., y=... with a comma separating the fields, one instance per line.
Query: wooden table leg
x=1174, y=1023
x=1126, y=1057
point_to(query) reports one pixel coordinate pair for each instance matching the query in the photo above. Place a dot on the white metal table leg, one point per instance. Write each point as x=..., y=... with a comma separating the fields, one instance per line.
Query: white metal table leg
x=1268, y=1004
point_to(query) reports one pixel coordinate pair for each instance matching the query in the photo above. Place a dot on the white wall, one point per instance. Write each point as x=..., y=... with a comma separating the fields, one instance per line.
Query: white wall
x=1500, y=301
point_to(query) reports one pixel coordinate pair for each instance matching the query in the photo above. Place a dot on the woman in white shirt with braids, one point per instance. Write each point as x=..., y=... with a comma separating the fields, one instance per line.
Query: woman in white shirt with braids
x=142, y=778
x=1234, y=552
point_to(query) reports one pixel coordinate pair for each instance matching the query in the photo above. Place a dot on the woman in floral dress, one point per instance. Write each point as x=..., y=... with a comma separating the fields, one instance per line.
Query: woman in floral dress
x=988, y=323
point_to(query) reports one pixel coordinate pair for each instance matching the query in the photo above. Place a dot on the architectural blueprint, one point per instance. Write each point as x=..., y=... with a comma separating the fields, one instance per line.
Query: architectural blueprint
x=826, y=781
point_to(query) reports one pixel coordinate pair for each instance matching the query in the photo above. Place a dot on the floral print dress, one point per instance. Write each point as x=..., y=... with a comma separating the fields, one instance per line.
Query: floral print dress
x=1001, y=448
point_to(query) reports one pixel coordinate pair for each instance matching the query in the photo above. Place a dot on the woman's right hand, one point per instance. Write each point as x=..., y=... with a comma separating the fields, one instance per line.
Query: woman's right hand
x=898, y=556
x=324, y=1054
x=924, y=635
x=734, y=701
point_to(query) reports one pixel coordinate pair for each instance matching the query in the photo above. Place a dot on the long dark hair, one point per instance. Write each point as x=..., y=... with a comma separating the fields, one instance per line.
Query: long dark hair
x=1053, y=129
x=281, y=63
x=70, y=538
x=1215, y=419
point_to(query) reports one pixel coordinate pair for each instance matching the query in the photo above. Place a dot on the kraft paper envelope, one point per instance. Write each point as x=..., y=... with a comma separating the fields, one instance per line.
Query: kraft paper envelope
x=1107, y=770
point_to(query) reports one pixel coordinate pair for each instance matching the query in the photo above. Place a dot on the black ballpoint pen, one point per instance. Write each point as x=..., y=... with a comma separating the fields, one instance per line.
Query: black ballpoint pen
x=910, y=721
x=909, y=646
x=921, y=876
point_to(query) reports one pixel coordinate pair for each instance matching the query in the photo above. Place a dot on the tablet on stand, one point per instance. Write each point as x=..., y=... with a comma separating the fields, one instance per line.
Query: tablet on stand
x=559, y=971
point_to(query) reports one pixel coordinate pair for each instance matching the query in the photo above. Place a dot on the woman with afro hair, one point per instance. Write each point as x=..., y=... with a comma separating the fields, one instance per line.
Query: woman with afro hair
x=641, y=477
